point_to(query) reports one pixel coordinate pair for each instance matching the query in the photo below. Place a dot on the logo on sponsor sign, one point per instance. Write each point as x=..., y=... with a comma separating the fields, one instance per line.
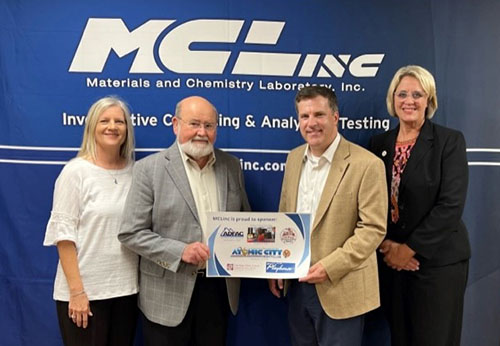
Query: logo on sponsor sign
x=177, y=50
x=228, y=232
x=255, y=252
x=275, y=267
x=288, y=236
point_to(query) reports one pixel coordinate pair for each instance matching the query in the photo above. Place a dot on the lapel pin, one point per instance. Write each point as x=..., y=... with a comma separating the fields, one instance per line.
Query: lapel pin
x=384, y=153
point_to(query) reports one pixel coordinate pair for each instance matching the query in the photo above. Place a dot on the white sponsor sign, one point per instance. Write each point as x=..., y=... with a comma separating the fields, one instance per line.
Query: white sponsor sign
x=259, y=245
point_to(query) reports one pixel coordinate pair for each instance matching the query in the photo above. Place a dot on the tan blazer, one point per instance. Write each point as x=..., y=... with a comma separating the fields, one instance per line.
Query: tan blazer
x=349, y=225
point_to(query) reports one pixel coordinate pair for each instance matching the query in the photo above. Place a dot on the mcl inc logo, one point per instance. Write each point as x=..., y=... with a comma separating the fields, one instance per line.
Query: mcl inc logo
x=184, y=47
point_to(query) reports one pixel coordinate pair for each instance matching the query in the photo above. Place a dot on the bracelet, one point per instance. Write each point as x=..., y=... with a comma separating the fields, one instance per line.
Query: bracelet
x=77, y=294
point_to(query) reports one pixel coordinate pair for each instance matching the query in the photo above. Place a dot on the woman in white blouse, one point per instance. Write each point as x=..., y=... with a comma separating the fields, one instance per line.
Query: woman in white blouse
x=96, y=282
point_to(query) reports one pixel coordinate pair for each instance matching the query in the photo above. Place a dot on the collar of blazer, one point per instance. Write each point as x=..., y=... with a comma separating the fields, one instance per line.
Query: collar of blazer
x=176, y=171
x=423, y=144
x=339, y=165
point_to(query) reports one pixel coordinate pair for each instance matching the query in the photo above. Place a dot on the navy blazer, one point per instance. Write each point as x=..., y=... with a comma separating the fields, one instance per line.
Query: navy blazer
x=432, y=194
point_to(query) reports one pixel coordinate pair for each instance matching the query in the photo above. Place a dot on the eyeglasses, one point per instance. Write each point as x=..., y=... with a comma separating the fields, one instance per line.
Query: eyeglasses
x=196, y=125
x=415, y=95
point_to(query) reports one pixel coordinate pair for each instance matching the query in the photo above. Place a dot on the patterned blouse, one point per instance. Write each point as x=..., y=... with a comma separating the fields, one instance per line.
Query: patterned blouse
x=401, y=157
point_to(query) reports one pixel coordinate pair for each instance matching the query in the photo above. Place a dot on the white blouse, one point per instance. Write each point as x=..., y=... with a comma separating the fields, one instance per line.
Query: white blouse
x=87, y=209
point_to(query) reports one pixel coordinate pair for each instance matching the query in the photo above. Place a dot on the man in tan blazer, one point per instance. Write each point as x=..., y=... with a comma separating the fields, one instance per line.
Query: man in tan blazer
x=343, y=186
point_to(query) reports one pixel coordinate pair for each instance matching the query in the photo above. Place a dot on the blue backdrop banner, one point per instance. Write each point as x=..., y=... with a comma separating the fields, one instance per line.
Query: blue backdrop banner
x=249, y=59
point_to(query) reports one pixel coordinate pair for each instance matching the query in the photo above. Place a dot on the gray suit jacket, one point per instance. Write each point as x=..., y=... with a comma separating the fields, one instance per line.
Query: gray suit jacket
x=160, y=219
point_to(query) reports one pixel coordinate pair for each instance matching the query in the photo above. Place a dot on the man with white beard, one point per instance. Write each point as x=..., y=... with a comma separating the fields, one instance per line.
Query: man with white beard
x=164, y=221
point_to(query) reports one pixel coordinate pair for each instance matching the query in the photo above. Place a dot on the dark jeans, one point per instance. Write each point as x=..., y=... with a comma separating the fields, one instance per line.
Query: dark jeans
x=311, y=326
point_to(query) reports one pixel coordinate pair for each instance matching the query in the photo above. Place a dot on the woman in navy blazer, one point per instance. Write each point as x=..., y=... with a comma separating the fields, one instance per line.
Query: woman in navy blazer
x=424, y=258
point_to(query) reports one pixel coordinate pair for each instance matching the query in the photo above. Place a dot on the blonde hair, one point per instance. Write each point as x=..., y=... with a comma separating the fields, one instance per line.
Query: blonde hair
x=425, y=79
x=88, y=147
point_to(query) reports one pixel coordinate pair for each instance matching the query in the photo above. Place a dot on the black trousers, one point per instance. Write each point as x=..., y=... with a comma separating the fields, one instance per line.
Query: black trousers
x=205, y=323
x=113, y=323
x=424, y=307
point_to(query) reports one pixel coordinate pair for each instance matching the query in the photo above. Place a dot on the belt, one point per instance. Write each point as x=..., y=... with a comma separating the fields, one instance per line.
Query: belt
x=201, y=273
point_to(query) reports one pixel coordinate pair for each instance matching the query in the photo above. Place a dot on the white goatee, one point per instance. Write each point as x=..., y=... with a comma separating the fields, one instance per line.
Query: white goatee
x=197, y=150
